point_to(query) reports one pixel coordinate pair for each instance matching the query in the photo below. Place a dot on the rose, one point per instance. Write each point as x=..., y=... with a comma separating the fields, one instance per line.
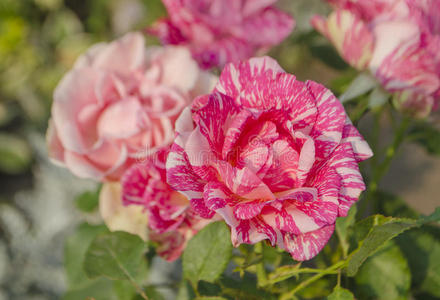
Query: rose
x=119, y=103
x=170, y=220
x=275, y=157
x=221, y=31
x=398, y=41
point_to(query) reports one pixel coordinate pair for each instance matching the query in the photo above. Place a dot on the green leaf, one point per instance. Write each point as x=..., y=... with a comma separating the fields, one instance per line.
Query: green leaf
x=75, y=251
x=98, y=289
x=15, y=154
x=378, y=97
x=362, y=84
x=385, y=275
x=185, y=291
x=434, y=217
x=421, y=247
x=340, y=84
x=116, y=255
x=155, y=10
x=427, y=136
x=328, y=55
x=153, y=293
x=342, y=226
x=87, y=201
x=80, y=286
x=124, y=289
x=207, y=253
x=210, y=298
x=373, y=232
x=208, y=289
x=383, y=229
x=340, y=293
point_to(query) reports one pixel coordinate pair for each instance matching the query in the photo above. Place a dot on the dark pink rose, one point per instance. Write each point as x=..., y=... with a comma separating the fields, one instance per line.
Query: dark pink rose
x=171, y=221
x=222, y=31
x=275, y=157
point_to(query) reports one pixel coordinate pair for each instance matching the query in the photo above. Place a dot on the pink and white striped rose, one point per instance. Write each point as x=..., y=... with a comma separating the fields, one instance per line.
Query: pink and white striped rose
x=171, y=222
x=275, y=157
x=397, y=40
x=119, y=103
x=222, y=31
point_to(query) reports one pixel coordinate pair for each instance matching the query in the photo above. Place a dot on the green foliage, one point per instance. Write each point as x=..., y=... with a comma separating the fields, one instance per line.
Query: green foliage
x=377, y=98
x=185, y=291
x=15, y=154
x=427, y=136
x=244, y=288
x=79, y=285
x=340, y=293
x=392, y=205
x=383, y=276
x=421, y=247
x=153, y=294
x=155, y=10
x=207, y=253
x=362, y=84
x=284, y=272
x=100, y=289
x=75, y=251
x=376, y=230
x=382, y=229
x=328, y=55
x=342, y=229
x=87, y=201
x=116, y=255
x=208, y=289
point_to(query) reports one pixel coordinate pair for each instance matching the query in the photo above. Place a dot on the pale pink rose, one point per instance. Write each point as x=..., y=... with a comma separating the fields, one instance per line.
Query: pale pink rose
x=119, y=103
x=116, y=216
x=222, y=31
x=170, y=218
x=275, y=157
x=397, y=40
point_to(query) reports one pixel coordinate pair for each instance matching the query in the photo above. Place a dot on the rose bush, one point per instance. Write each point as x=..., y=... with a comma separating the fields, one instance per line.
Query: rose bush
x=170, y=219
x=275, y=157
x=119, y=104
x=221, y=31
x=398, y=41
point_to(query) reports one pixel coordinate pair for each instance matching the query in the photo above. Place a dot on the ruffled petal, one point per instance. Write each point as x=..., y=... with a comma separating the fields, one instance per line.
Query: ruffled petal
x=308, y=245
x=350, y=36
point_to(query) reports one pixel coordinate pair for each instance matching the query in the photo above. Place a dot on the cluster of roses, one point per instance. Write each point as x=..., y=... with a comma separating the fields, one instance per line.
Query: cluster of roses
x=275, y=158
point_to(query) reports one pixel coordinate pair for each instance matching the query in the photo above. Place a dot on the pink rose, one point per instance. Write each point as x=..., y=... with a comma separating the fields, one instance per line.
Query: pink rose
x=120, y=103
x=275, y=157
x=170, y=220
x=222, y=31
x=397, y=40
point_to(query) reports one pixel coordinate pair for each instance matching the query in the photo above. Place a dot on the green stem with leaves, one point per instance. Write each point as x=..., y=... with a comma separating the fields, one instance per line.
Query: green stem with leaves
x=332, y=270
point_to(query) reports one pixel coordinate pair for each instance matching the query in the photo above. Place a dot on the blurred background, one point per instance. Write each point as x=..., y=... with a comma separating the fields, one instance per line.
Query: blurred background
x=41, y=204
